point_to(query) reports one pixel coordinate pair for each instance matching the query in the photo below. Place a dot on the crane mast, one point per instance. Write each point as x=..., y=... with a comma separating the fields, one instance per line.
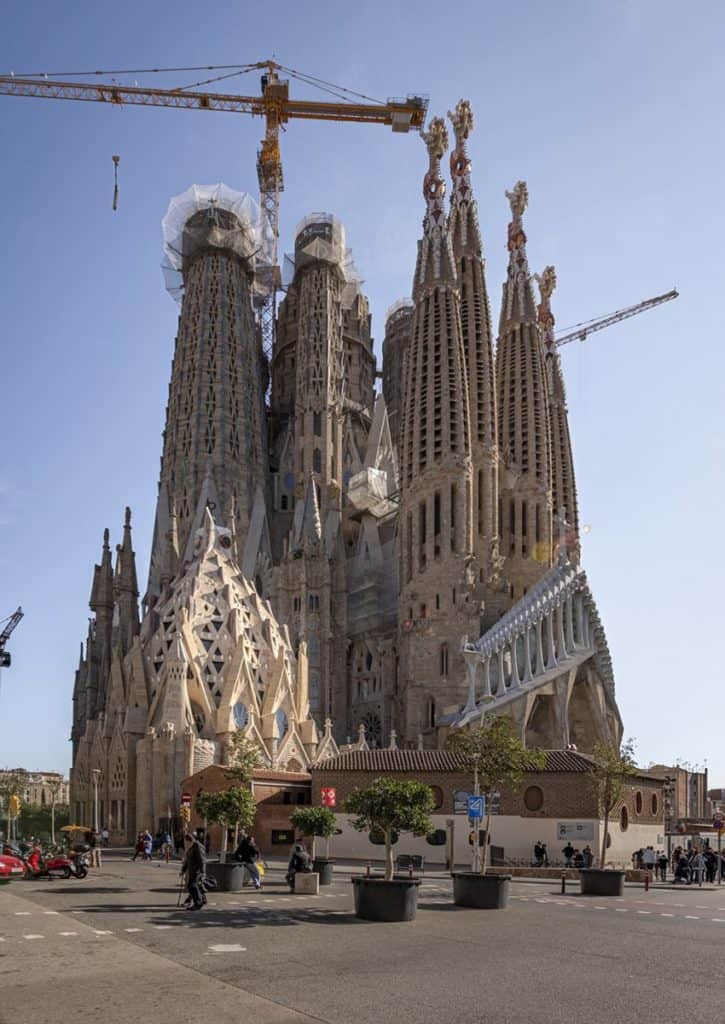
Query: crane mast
x=9, y=627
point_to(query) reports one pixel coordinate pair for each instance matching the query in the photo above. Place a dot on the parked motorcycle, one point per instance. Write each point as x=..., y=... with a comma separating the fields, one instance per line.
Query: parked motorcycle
x=57, y=866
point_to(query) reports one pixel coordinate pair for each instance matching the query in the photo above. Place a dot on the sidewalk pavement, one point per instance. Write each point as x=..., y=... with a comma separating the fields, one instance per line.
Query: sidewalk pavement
x=101, y=977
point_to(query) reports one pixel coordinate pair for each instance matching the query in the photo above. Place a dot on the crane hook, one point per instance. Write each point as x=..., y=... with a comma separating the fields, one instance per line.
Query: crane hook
x=115, y=181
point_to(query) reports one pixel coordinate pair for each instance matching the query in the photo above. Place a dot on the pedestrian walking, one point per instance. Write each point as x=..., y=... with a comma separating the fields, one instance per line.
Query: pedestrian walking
x=539, y=849
x=588, y=855
x=194, y=867
x=165, y=849
x=105, y=836
x=138, y=848
x=568, y=853
x=94, y=841
x=247, y=854
x=148, y=845
x=697, y=867
x=662, y=863
x=649, y=859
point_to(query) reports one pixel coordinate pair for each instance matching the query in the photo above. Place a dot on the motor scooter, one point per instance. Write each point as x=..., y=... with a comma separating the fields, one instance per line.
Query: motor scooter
x=60, y=866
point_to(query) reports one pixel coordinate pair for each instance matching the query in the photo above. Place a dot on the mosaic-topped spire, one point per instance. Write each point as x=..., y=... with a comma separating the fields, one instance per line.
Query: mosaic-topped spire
x=435, y=255
x=518, y=299
x=463, y=222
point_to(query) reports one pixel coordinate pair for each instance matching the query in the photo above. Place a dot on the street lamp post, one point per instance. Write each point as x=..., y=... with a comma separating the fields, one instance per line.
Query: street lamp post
x=476, y=865
x=96, y=773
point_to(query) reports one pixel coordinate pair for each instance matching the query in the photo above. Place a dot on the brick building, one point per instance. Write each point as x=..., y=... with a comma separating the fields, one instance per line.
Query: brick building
x=553, y=805
x=276, y=793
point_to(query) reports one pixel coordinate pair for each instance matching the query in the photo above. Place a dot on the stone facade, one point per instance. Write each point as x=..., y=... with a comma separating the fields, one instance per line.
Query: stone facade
x=329, y=560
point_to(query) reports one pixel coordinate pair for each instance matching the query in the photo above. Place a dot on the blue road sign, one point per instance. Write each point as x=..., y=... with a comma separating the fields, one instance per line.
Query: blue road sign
x=476, y=806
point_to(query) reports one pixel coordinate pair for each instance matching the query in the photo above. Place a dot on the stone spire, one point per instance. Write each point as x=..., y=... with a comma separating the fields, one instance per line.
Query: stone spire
x=435, y=255
x=477, y=337
x=523, y=418
x=436, y=472
x=125, y=587
x=215, y=420
x=518, y=305
x=101, y=599
x=563, y=482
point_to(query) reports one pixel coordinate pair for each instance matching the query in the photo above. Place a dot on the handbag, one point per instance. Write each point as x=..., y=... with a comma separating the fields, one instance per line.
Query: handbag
x=261, y=868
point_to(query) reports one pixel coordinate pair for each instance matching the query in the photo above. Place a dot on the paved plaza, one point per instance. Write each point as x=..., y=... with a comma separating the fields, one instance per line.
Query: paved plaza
x=114, y=947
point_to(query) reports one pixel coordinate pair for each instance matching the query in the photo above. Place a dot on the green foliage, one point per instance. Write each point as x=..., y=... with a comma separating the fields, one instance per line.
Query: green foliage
x=314, y=821
x=614, y=766
x=388, y=806
x=35, y=819
x=497, y=752
x=230, y=808
x=244, y=757
x=11, y=784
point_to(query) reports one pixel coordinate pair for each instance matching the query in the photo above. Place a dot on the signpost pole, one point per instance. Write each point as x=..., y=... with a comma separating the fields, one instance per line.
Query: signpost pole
x=476, y=863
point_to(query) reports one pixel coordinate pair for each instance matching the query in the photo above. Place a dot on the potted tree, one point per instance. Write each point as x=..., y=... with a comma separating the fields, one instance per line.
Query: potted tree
x=388, y=806
x=231, y=808
x=495, y=757
x=314, y=822
x=613, y=766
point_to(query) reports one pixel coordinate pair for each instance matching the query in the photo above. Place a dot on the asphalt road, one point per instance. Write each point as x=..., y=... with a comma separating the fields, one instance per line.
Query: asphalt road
x=115, y=945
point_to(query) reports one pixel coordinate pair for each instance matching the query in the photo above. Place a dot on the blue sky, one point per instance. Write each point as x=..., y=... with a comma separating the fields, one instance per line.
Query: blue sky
x=612, y=112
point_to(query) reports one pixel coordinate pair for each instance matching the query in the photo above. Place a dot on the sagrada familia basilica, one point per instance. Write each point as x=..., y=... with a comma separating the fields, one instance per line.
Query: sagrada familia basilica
x=331, y=565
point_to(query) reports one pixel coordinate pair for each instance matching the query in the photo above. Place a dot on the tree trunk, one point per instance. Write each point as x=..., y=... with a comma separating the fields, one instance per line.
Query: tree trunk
x=223, y=851
x=52, y=821
x=486, y=830
x=388, y=856
x=313, y=846
x=327, y=847
x=604, y=839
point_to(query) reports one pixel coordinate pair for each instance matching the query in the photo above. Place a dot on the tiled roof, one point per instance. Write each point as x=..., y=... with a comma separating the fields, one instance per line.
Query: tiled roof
x=391, y=761
x=435, y=761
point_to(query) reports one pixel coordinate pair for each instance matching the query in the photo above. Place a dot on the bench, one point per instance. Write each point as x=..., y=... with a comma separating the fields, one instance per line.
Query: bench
x=409, y=861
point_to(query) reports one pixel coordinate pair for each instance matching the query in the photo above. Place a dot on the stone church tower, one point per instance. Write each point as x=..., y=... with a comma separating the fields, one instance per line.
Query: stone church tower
x=332, y=567
x=436, y=535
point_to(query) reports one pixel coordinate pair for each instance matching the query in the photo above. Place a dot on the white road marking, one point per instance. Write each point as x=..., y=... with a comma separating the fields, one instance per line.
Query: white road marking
x=721, y=920
x=33, y=936
x=22, y=913
x=161, y=927
x=133, y=929
x=621, y=910
x=600, y=908
x=644, y=911
x=228, y=948
x=101, y=931
x=667, y=915
x=2, y=939
x=691, y=917
x=53, y=913
x=67, y=933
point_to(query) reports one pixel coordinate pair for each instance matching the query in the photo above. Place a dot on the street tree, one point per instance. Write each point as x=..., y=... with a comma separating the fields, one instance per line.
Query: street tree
x=496, y=758
x=231, y=808
x=315, y=821
x=388, y=806
x=614, y=765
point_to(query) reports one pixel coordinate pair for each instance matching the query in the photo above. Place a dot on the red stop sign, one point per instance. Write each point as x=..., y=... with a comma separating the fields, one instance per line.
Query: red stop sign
x=329, y=796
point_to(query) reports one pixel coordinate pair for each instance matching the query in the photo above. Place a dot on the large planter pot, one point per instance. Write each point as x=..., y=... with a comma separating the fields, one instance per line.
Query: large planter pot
x=323, y=867
x=378, y=900
x=602, y=882
x=484, y=892
x=229, y=877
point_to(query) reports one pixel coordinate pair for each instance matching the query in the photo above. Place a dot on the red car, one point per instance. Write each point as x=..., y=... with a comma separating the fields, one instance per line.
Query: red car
x=10, y=867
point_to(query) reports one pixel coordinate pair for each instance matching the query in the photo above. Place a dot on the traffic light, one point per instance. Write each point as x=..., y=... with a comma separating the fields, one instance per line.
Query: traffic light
x=185, y=813
x=472, y=837
x=14, y=806
x=5, y=659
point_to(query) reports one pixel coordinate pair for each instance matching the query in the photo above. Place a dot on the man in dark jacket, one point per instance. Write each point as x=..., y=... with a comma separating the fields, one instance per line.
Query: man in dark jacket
x=194, y=867
x=247, y=853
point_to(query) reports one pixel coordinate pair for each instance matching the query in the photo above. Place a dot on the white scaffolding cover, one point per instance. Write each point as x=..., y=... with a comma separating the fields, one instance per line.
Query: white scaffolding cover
x=320, y=236
x=245, y=233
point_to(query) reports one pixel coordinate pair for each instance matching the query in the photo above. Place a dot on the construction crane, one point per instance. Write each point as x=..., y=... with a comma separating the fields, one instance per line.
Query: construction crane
x=10, y=624
x=274, y=104
x=580, y=331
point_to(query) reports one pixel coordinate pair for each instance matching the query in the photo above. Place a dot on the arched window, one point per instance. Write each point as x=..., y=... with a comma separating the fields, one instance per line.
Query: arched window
x=638, y=802
x=317, y=460
x=430, y=713
x=444, y=659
